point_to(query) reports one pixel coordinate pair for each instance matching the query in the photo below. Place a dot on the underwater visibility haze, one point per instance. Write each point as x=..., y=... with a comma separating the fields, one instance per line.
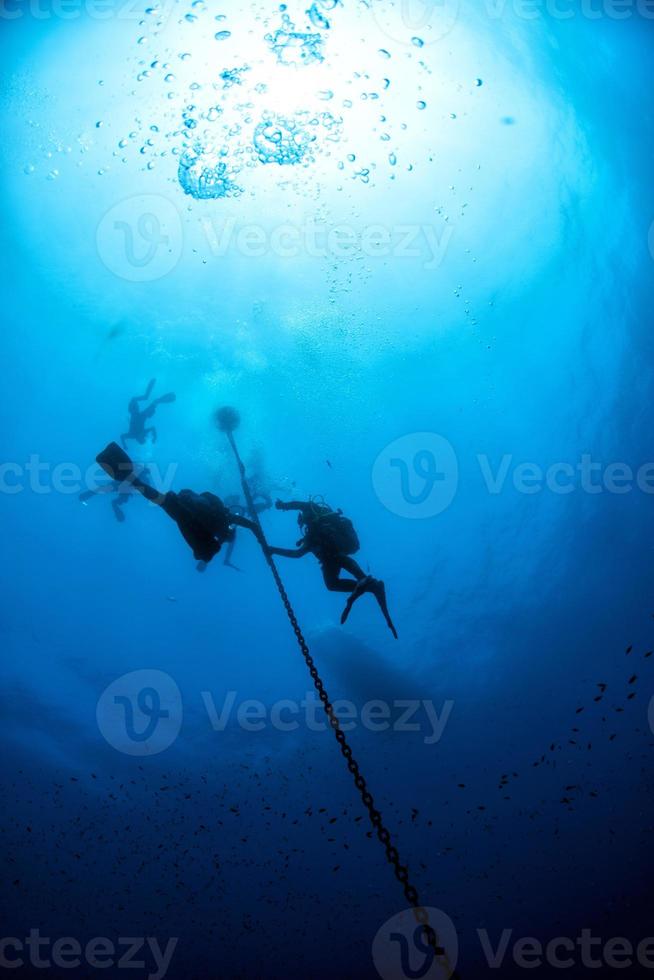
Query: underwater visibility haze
x=411, y=245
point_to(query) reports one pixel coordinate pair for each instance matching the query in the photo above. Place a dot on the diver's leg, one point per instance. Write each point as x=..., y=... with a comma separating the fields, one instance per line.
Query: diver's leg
x=166, y=399
x=118, y=504
x=105, y=488
x=353, y=567
x=228, y=556
x=331, y=575
x=376, y=586
x=148, y=392
x=117, y=465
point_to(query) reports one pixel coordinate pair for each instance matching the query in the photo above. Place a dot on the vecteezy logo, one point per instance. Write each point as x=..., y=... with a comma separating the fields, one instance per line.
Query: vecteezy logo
x=400, y=950
x=416, y=476
x=419, y=22
x=141, y=712
x=140, y=239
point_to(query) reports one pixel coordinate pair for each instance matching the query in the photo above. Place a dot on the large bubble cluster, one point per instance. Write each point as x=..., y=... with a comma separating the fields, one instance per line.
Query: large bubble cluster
x=281, y=140
x=204, y=172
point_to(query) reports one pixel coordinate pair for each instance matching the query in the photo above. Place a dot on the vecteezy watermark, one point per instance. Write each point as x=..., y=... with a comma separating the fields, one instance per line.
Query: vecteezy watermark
x=400, y=950
x=41, y=477
x=141, y=714
x=100, y=953
x=569, y=9
x=565, y=953
x=587, y=475
x=140, y=239
x=402, y=715
x=424, y=22
x=417, y=475
x=128, y=10
x=419, y=242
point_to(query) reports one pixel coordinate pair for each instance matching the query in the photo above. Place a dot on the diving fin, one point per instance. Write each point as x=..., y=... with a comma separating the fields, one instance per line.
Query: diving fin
x=363, y=586
x=116, y=463
x=148, y=390
x=167, y=399
x=379, y=591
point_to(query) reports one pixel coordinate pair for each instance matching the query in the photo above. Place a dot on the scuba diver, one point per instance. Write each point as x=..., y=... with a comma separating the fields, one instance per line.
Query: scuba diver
x=121, y=488
x=331, y=537
x=261, y=500
x=138, y=417
x=203, y=519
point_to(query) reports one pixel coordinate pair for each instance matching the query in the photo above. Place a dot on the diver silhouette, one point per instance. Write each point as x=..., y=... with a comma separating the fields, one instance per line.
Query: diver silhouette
x=138, y=417
x=203, y=519
x=331, y=538
x=121, y=488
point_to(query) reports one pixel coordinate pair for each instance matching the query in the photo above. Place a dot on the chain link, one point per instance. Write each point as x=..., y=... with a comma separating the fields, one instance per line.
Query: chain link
x=400, y=870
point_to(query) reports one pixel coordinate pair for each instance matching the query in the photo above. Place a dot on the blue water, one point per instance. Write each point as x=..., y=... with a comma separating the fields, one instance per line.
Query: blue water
x=414, y=246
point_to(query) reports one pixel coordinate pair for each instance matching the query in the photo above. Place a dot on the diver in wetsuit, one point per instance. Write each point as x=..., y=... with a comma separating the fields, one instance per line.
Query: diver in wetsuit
x=262, y=501
x=203, y=519
x=121, y=488
x=138, y=417
x=331, y=538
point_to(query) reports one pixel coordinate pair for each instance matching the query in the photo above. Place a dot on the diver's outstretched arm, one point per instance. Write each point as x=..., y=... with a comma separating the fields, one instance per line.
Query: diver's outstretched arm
x=228, y=555
x=249, y=525
x=290, y=552
x=291, y=505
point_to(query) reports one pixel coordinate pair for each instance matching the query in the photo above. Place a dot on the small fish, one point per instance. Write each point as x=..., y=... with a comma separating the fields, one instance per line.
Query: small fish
x=328, y=464
x=628, y=651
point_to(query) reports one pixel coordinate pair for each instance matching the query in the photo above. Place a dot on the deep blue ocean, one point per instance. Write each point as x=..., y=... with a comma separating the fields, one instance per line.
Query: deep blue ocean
x=413, y=245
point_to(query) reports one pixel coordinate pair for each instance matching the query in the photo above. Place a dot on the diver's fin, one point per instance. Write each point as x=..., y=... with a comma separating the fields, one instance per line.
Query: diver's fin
x=116, y=463
x=167, y=399
x=148, y=390
x=363, y=586
x=379, y=591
